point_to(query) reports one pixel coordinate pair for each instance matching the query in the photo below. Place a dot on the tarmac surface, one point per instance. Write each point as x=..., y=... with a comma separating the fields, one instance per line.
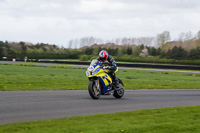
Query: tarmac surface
x=20, y=106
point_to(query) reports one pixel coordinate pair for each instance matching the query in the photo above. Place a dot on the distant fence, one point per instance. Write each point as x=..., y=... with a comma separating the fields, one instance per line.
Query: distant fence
x=142, y=65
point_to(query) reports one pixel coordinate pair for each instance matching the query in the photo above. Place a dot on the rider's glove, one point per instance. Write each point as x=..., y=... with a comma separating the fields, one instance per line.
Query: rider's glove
x=104, y=67
x=107, y=67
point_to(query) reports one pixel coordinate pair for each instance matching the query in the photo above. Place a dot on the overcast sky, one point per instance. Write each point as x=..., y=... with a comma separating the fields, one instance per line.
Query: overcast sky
x=58, y=21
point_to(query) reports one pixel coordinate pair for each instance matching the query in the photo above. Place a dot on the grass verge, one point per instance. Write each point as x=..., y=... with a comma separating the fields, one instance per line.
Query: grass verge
x=34, y=77
x=166, y=120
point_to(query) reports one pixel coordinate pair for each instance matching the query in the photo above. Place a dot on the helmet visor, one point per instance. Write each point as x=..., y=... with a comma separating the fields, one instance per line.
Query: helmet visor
x=103, y=59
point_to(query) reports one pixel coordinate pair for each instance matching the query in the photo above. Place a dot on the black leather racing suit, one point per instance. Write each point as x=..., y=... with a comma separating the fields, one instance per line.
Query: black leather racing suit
x=113, y=68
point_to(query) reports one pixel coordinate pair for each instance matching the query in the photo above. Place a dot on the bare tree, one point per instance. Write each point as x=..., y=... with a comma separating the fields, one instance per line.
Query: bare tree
x=83, y=42
x=198, y=35
x=76, y=43
x=117, y=41
x=124, y=41
x=133, y=40
x=92, y=41
x=99, y=41
x=181, y=37
x=163, y=38
x=188, y=36
x=70, y=44
x=143, y=40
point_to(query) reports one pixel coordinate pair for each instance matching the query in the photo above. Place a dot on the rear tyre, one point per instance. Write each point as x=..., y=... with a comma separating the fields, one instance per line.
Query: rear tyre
x=119, y=93
x=93, y=91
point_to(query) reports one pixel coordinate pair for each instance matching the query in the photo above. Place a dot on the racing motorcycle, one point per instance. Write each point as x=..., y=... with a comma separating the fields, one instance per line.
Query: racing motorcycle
x=100, y=83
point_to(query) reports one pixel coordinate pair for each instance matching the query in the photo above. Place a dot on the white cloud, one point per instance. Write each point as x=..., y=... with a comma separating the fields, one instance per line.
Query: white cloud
x=58, y=21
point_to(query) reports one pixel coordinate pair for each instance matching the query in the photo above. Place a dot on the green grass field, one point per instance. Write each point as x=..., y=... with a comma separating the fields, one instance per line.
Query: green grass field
x=166, y=120
x=32, y=77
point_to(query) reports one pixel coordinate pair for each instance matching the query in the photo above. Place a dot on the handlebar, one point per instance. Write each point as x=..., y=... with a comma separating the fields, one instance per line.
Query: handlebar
x=105, y=67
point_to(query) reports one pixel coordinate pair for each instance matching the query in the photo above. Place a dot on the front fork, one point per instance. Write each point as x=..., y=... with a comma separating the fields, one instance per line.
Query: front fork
x=97, y=85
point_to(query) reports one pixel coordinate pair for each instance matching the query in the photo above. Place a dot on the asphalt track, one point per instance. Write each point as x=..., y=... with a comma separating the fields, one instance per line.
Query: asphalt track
x=20, y=106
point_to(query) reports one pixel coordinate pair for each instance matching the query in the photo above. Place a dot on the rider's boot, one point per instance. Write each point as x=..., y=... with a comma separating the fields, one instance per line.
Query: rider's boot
x=117, y=86
x=115, y=82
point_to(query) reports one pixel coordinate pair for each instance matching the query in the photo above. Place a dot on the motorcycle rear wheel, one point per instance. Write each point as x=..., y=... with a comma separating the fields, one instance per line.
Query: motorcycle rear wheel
x=92, y=89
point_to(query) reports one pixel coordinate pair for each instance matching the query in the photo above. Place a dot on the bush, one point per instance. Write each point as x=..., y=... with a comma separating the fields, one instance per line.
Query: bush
x=177, y=53
x=83, y=58
x=194, y=54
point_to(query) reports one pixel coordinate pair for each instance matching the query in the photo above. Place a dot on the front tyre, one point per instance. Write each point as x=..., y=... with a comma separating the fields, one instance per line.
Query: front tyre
x=119, y=93
x=93, y=91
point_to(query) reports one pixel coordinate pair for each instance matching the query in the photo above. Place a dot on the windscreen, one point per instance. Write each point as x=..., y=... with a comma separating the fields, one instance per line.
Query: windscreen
x=94, y=61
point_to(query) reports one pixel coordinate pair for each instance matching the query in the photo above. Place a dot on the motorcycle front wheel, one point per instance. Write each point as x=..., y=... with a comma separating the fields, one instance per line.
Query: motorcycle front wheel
x=93, y=90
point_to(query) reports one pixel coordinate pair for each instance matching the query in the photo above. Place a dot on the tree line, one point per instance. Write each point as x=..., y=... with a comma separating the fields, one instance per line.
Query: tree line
x=51, y=52
x=185, y=47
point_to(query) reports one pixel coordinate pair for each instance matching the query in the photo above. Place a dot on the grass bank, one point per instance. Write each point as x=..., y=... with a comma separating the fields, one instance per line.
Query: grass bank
x=33, y=77
x=166, y=120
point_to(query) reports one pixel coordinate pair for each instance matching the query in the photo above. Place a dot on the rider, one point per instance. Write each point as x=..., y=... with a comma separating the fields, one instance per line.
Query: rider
x=103, y=56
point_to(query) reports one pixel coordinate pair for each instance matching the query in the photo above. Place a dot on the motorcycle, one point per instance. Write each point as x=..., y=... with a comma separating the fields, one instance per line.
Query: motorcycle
x=100, y=83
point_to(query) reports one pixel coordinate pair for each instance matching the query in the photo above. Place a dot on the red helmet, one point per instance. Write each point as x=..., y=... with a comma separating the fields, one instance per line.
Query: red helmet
x=103, y=55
